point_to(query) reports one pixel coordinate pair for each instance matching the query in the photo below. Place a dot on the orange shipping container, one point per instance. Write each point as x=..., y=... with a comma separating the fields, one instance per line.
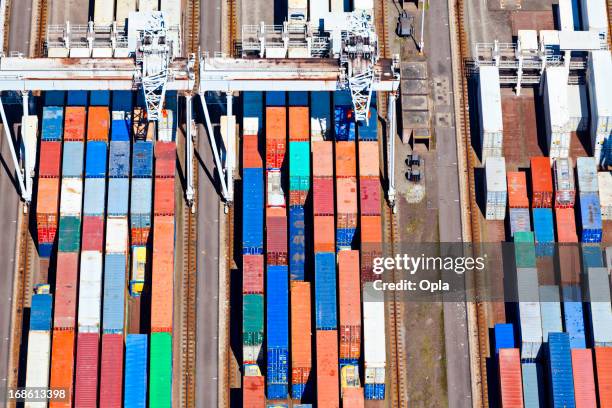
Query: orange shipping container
x=566, y=225
x=164, y=196
x=328, y=388
x=47, y=207
x=511, y=387
x=353, y=398
x=541, y=182
x=251, y=159
x=301, y=353
x=253, y=392
x=517, y=190
x=371, y=229
x=62, y=366
x=350, y=304
x=299, y=123
x=368, y=159
x=322, y=159
x=162, y=274
x=64, y=310
x=276, y=122
x=369, y=251
x=603, y=363
x=98, y=123
x=324, y=234
x=584, y=381
x=345, y=159
x=74, y=123
x=346, y=195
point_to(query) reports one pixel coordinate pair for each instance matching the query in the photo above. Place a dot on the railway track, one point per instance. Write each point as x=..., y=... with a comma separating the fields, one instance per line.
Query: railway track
x=41, y=27
x=228, y=375
x=232, y=26
x=7, y=24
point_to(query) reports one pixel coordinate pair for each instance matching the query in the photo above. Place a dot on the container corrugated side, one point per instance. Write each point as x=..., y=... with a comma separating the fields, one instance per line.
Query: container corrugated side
x=163, y=203
x=54, y=98
x=117, y=233
x=591, y=256
x=250, y=152
x=517, y=189
x=50, y=158
x=550, y=310
x=74, y=123
x=327, y=368
x=590, y=218
x=52, y=123
x=345, y=159
x=584, y=380
x=165, y=159
x=320, y=114
x=77, y=98
x=122, y=100
x=276, y=240
x=324, y=234
x=95, y=160
x=299, y=128
x=586, y=168
x=94, y=202
x=160, y=374
x=541, y=182
x=325, y=291
x=520, y=220
x=578, y=106
x=530, y=318
x=349, y=305
x=605, y=194
x=72, y=163
x=276, y=123
x=69, y=234
x=277, y=332
x=299, y=165
x=71, y=196
x=114, y=293
x=47, y=208
x=297, y=242
x=86, y=372
x=252, y=211
x=62, y=365
x=566, y=225
x=121, y=125
x=370, y=196
x=140, y=202
x=98, y=123
x=565, y=190
x=162, y=291
x=142, y=159
x=275, y=153
x=64, y=308
x=252, y=274
x=276, y=98
x=573, y=315
x=93, y=233
x=371, y=231
x=135, y=385
x=40, y=312
x=38, y=359
x=544, y=231
x=111, y=371
x=504, y=336
x=90, y=290
x=346, y=197
x=323, y=166
x=119, y=160
x=598, y=289
x=374, y=346
x=301, y=353
x=118, y=196
x=99, y=98
x=511, y=388
x=298, y=98
x=603, y=365
x=533, y=394
x=560, y=370
x=323, y=196
x=253, y=394
x=252, y=327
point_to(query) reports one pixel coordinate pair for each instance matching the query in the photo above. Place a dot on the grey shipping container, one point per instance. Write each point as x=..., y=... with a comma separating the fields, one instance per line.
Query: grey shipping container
x=141, y=196
x=118, y=196
x=530, y=318
x=95, y=196
x=600, y=320
x=550, y=309
x=72, y=163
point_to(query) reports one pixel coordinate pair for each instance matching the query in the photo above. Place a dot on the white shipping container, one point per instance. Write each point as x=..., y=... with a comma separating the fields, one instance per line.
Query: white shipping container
x=251, y=353
x=29, y=130
x=250, y=126
x=578, y=107
x=566, y=15
x=374, y=375
x=490, y=109
x=550, y=309
x=374, y=327
x=297, y=10
x=604, y=179
x=104, y=12
x=316, y=11
x=599, y=304
x=529, y=312
x=491, y=152
x=496, y=188
x=164, y=127
x=587, y=175
x=367, y=5
x=72, y=196
x=172, y=10
x=90, y=289
x=148, y=5
x=594, y=16
x=337, y=6
x=565, y=190
x=600, y=98
x=116, y=235
x=124, y=7
x=275, y=193
x=556, y=112
x=37, y=365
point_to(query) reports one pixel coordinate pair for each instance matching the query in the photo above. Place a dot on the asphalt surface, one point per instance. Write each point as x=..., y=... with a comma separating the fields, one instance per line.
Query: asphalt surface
x=19, y=32
x=74, y=11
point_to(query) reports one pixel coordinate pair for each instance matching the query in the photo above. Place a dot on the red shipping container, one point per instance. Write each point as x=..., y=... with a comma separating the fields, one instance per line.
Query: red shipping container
x=165, y=159
x=323, y=195
x=324, y=234
x=353, y=398
x=111, y=371
x=163, y=202
x=252, y=274
x=297, y=197
x=510, y=378
x=369, y=159
x=347, y=221
x=276, y=123
x=299, y=123
x=62, y=366
x=346, y=195
x=566, y=225
x=603, y=365
x=369, y=251
x=251, y=159
x=301, y=353
x=371, y=229
x=584, y=380
x=275, y=153
x=517, y=189
x=345, y=159
x=47, y=209
x=541, y=182
x=86, y=378
x=349, y=304
x=323, y=159
x=369, y=192
x=253, y=395
x=64, y=310
x=327, y=369
x=98, y=123
x=140, y=236
x=74, y=123
x=276, y=240
x=93, y=233
x=162, y=290
x=50, y=158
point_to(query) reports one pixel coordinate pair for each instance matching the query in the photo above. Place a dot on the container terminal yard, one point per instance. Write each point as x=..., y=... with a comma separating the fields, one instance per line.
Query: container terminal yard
x=197, y=197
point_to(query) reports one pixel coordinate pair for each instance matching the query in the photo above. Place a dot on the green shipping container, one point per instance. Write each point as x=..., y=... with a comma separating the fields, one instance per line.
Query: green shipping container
x=524, y=249
x=299, y=183
x=69, y=234
x=299, y=160
x=160, y=375
x=252, y=319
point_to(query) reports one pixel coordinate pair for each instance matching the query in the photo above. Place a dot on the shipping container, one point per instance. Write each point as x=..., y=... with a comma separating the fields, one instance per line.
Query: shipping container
x=140, y=202
x=374, y=342
x=62, y=365
x=142, y=159
x=276, y=123
x=139, y=264
x=556, y=111
x=276, y=98
x=297, y=243
x=74, y=123
x=121, y=125
x=368, y=159
x=252, y=329
x=118, y=196
x=111, y=371
x=69, y=234
x=600, y=313
x=275, y=153
x=165, y=159
x=162, y=274
x=533, y=393
x=103, y=14
x=114, y=293
x=541, y=182
x=250, y=152
x=344, y=123
x=95, y=197
x=164, y=196
x=47, y=208
x=324, y=234
x=327, y=368
x=530, y=319
x=252, y=113
x=345, y=159
x=590, y=218
x=496, y=189
x=323, y=166
x=504, y=336
x=276, y=240
x=566, y=225
x=72, y=163
x=299, y=165
x=605, y=194
x=275, y=196
x=544, y=231
x=349, y=304
x=98, y=123
x=599, y=83
x=560, y=377
x=578, y=107
x=166, y=126
x=591, y=257
x=565, y=191
x=252, y=211
x=584, y=381
x=38, y=359
x=253, y=394
x=569, y=263
x=511, y=388
x=95, y=163
x=99, y=98
x=368, y=130
x=54, y=98
x=160, y=375
x=323, y=195
x=573, y=317
x=325, y=291
x=320, y=112
x=298, y=98
x=135, y=382
x=586, y=168
x=490, y=111
x=520, y=220
x=301, y=353
x=119, y=161
x=346, y=195
x=52, y=123
x=371, y=230
x=299, y=118
x=50, y=158
x=277, y=331
x=71, y=196
x=517, y=189
x=603, y=365
x=122, y=101
x=252, y=274
x=86, y=372
x=90, y=288
x=40, y=312
x=550, y=310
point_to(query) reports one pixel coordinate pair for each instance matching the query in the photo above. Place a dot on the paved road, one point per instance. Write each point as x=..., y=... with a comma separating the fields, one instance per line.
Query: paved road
x=210, y=25
x=20, y=26
x=75, y=11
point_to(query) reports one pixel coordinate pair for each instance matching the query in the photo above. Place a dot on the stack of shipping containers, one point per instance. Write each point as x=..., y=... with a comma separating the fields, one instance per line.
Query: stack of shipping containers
x=520, y=220
x=588, y=200
x=252, y=249
x=277, y=270
x=39, y=340
x=542, y=202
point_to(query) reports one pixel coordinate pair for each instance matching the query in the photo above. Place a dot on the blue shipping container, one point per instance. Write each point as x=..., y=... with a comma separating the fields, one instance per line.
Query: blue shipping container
x=544, y=231
x=118, y=196
x=374, y=391
x=114, y=293
x=277, y=310
x=325, y=291
x=252, y=107
x=533, y=395
x=573, y=316
x=276, y=98
x=95, y=162
x=561, y=381
x=590, y=216
x=122, y=101
x=320, y=111
x=369, y=130
x=298, y=98
x=40, y=312
x=72, y=159
x=141, y=196
x=297, y=242
x=99, y=98
x=45, y=250
x=119, y=162
x=52, y=123
x=344, y=238
x=343, y=98
x=135, y=394
x=297, y=391
x=120, y=128
x=504, y=336
x=592, y=257
x=95, y=196
x=77, y=98
x=55, y=98
x=140, y=220
x=277, y=373
x=142, y=159
x=252, y=211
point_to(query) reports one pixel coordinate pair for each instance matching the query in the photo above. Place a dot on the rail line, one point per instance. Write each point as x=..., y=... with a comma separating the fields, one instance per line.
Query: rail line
x=7, y=24
x=41, y=27
x=232, y=19
x=226, y=355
